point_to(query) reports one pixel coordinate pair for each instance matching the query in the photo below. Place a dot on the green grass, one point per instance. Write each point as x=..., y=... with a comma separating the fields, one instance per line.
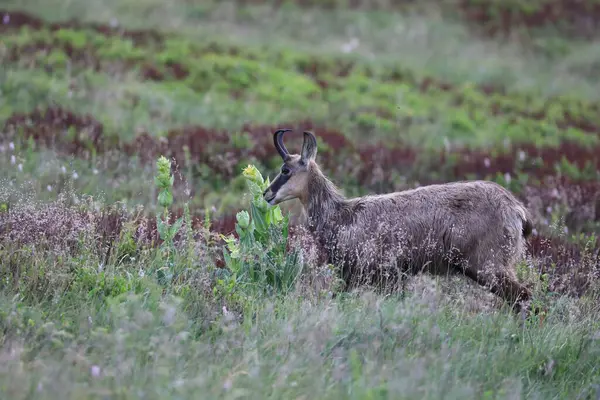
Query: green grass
x=258, y=85
x=138, y=345
x=85, y=309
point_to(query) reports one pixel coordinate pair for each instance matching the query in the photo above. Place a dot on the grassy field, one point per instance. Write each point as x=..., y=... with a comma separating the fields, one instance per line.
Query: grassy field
x=126, y=275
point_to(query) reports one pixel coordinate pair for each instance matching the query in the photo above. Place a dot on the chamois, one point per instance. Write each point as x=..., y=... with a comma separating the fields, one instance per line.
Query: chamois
x=473, y=227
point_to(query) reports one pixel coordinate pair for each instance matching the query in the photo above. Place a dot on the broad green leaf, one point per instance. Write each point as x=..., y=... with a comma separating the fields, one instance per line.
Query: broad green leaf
x=259, y=219
x=277, y=214
x=175, y=227
x=165, y=198
x=161, y=228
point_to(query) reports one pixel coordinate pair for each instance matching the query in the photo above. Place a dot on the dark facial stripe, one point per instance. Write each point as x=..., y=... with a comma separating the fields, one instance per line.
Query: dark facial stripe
x=279, y=182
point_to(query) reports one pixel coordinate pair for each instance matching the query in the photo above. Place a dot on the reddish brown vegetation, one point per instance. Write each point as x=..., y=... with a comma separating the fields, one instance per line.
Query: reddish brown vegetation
x=59, y=129
x=14, y=20
x=570, y=267
x=538, y=162
x=581, y=18
x=371, y=166
x=171, y=70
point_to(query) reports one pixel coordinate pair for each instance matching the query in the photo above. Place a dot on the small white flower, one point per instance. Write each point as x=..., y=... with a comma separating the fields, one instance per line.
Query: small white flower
x=350, y=46
x=95, y=171
x=49, y=188
x=75, y=175
x=11, y=146
x=507, y=177
x=20, y=167
x=487, y=162
x=13, y=160
x=6, y=19
x=95, y=371
x=63, y=169
x=141, y=273
x=522, y=155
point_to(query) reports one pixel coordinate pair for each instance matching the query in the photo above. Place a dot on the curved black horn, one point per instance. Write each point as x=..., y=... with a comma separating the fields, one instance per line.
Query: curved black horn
x=278, y=141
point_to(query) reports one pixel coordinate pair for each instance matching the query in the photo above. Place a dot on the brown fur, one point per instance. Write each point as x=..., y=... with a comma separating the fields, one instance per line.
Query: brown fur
x=477, y=228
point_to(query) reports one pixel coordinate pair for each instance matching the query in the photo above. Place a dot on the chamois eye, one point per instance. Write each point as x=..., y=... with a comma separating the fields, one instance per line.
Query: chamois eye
x=285, y=171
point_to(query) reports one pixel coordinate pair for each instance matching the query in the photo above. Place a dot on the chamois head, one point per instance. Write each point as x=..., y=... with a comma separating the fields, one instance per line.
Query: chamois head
x=292, y=180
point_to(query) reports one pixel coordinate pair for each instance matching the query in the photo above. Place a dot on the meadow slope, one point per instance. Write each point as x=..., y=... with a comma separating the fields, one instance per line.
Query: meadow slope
x=128, y=275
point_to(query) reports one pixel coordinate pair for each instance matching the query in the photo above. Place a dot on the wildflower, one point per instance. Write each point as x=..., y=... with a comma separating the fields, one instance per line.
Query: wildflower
x=6, y=19
x=95, y=371
x=95, y=171
x=13, y=160
x=49, y=188
x=11, y=146
x=253, y=174
x=20, y=167
x=63, y=169
x=487, y=162
x=75, y=175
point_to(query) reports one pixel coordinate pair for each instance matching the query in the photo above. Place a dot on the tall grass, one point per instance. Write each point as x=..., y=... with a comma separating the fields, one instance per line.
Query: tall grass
x=83, y=320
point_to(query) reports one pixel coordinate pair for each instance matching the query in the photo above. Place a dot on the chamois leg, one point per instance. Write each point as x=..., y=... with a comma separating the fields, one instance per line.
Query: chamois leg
x=502, y=283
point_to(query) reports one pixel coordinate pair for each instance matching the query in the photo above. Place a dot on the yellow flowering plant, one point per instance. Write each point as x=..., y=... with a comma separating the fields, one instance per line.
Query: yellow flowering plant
x=259, y=253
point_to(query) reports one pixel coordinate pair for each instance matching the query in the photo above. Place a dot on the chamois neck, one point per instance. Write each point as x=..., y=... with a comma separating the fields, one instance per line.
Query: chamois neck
x=322, y=200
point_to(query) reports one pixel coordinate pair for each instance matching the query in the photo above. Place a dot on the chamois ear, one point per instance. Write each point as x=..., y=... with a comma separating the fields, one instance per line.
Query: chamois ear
x=309, y=147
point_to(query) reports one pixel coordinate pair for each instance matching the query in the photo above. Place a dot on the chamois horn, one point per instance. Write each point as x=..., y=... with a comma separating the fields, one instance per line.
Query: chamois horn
x=278, y=141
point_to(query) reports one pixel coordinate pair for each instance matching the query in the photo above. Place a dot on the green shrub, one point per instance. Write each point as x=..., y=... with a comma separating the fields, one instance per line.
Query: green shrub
x=258, y=259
